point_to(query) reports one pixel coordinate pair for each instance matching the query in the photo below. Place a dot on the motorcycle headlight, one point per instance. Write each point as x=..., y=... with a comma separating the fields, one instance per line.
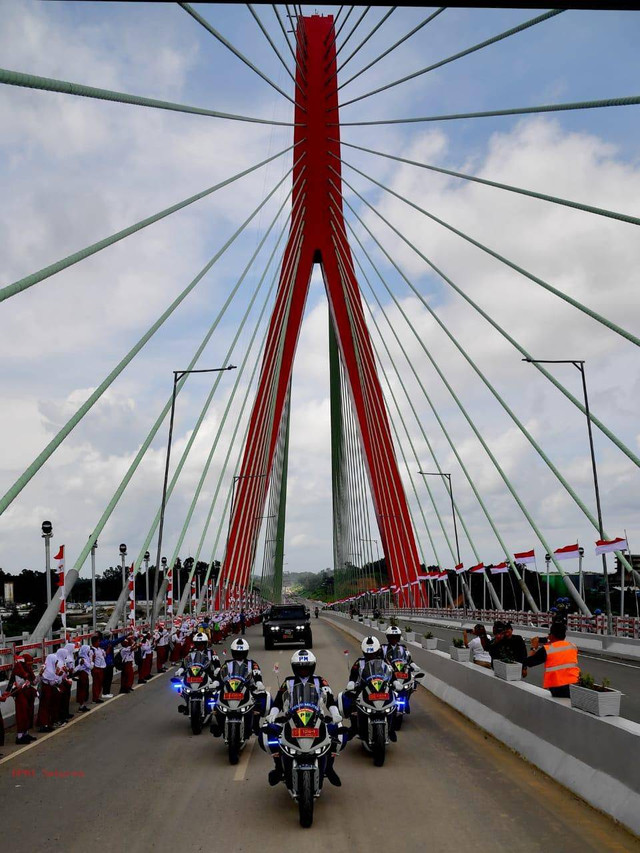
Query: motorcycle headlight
x=273, y=628
x=299, y=627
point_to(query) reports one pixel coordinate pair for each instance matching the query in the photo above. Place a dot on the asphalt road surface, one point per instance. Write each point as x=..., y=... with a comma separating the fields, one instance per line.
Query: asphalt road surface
x=143, y=783
x=623, y=675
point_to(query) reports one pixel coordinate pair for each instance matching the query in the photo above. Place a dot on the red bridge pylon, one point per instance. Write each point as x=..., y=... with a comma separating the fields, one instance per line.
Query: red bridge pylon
x=318, y=235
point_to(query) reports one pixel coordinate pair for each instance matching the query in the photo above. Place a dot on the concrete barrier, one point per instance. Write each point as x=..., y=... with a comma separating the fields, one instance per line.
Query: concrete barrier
x=596, y=758
x=621, y=647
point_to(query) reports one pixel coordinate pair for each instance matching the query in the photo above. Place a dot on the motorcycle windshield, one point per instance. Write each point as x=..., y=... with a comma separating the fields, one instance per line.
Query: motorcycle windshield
x=376, y=674
x=307, y=696
x=305, y=709
x=235, y=670
x=398, y=659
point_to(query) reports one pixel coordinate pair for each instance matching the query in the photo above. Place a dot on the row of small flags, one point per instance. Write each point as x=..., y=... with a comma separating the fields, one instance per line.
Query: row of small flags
x=569, y=552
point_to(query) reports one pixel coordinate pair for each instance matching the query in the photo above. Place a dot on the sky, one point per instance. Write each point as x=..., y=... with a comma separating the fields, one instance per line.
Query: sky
x=74, y=170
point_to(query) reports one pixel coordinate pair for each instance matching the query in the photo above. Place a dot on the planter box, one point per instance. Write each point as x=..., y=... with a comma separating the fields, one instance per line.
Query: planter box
x=430, y=644
x=382, y=628
x=410, y=636
x=507, y=671
x=605, y=704
x=367, y=622
x=461, y=655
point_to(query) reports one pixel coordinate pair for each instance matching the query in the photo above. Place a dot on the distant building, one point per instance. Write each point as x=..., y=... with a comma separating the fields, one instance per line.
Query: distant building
x=8, y=593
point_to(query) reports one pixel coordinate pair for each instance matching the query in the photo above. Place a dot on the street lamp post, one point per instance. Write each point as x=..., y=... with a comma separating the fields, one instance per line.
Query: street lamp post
x=47, y=533
x=455, y=526
x=579, y=365
x=123, y=554
x=580, y=574
x=147, y=555
x=93, y=584
x=163, y=563
x=177, y=376
x=547, y=560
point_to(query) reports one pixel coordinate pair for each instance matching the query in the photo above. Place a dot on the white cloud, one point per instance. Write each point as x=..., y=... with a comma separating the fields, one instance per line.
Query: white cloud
x=76, y=170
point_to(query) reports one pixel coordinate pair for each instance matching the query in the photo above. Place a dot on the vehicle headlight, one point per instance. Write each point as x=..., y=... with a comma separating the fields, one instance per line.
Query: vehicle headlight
x=299, y=627
x=273, y=628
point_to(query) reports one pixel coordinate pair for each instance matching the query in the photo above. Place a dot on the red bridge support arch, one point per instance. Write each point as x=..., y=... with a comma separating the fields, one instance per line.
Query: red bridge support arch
x=318, y=235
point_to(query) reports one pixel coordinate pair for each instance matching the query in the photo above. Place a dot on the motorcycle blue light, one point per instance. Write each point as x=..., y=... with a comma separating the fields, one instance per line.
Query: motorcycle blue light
x=273, y=742
x=177, y=687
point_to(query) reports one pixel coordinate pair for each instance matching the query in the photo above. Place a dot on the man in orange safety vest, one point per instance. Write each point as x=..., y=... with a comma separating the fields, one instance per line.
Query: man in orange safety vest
x=560, y=659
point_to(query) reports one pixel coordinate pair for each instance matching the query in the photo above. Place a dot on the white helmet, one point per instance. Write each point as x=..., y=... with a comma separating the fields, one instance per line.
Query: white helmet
x=370, y=646
x=303, y=663
x=393, y=631
x=239, y=649
x=200, y=637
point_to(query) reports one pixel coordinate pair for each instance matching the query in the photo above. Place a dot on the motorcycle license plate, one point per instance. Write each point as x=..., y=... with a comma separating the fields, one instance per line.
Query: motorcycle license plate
x=238, y=696
x=287, y=635
x=378, y=697
x=401, y=676
x=306, y=733
x=193, y=679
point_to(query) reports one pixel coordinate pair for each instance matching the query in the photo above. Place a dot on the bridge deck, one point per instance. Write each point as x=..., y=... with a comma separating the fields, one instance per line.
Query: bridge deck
x=148, y=783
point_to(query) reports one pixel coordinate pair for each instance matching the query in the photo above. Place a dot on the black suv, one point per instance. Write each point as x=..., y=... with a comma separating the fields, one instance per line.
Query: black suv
x=287, y=623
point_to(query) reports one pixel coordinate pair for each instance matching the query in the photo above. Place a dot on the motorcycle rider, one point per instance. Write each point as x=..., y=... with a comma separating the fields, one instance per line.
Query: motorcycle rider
x=303, y=667
x=394, y=635
x=240, y=653
x=371, y=650
x=199, y=654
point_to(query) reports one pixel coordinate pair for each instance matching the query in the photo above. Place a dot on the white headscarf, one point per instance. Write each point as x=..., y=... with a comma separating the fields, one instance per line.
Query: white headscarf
x=49, y=673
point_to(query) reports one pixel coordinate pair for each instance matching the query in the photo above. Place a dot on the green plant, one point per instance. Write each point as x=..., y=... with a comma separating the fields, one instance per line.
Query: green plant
x=458, y=643
x=408, y=628
x=393, y=621
x=428, y=636
x=587, y=680
x=380, y=621
x=506, y=658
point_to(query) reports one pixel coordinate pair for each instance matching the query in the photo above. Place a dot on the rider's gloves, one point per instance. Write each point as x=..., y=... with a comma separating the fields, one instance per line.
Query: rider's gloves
x=351, y=685
x=398, y=685
x=335, y=714
x=273, y=713
x=260, y=686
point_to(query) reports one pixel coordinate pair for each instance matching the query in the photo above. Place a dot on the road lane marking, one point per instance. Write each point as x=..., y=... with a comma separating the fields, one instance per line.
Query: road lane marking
x=608, y=660
x=243, y=764
x=59, y=730
x=77, y=719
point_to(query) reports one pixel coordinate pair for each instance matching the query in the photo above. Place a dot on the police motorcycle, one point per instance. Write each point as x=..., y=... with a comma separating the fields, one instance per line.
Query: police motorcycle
x=234, y=707
x=404, y=681
x=302, y=737
x=196, y=688
x=375, y=707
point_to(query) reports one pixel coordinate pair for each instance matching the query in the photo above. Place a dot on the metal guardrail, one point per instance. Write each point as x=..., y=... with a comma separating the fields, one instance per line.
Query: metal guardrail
x=623, y=626
x=14, y=646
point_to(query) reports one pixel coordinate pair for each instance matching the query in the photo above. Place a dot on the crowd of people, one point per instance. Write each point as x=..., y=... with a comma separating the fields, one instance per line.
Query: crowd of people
x=91, y=667
x=558, y=655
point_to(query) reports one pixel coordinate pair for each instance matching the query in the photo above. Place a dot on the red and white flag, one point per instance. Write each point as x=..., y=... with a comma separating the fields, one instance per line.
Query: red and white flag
x=525, y=557
x=569, y=552
x=132, y=597
x=210, y=593
x=499, y=569
x=605, y=546
x=442, y=576
x=459, y=569
x=193, y=596
x=61, y=582
x=477, y=570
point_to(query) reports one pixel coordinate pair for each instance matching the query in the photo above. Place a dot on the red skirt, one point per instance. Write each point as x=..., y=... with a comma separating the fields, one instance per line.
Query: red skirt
x=49, y=707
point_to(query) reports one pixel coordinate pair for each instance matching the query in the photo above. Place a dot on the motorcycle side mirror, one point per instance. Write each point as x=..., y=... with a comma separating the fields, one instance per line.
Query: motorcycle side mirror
x=419, y=675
